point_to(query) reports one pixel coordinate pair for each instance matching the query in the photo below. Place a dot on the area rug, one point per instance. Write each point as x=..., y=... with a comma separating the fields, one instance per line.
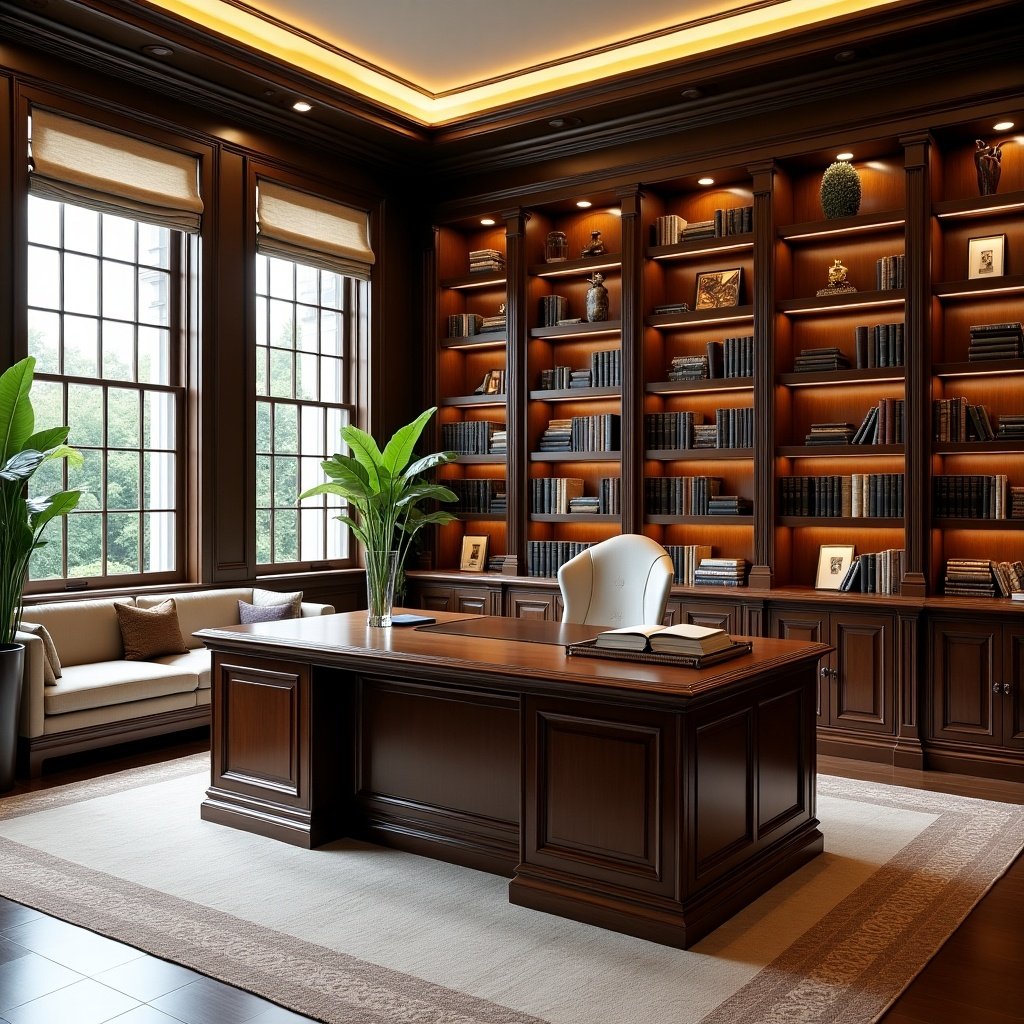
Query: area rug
x=356, y=934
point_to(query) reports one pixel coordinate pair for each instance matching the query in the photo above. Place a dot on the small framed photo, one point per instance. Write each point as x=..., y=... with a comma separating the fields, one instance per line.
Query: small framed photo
x=474, y=554
x=985, y=256
x=833, y=562
x=492, y=381
x=718, y=289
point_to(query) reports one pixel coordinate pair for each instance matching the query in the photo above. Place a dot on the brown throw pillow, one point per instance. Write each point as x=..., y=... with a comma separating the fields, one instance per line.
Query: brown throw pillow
x=250, y=613
x=150, y=632
x=51, y=661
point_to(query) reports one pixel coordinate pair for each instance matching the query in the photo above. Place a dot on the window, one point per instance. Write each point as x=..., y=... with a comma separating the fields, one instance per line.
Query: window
x=104, y=294
x=303, y=360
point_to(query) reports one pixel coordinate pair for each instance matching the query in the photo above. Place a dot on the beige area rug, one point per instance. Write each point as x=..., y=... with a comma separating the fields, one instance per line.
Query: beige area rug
x=356, y=934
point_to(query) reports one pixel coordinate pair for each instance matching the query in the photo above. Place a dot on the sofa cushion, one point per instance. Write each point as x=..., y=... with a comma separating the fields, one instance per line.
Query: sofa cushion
x=202, y=609
x=250, y=613
x=196, y=660
x=293, y=600
x=83, y=631
x=115, y=682
x=51, y=660
x=150, y=632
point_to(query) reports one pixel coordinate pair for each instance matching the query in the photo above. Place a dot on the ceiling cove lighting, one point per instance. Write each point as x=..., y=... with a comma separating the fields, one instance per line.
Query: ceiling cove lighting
x=251, y=28
x=302, y=106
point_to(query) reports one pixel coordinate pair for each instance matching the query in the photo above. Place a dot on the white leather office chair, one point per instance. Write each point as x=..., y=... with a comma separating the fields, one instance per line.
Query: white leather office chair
x=623, y=581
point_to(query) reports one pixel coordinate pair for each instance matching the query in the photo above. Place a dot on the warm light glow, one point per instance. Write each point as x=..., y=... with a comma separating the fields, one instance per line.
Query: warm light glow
x=488, y=222
x=705, y=181
x=615, y=211
x=1003, y=126
x=243, y=25
x=584, y=204
x=844, y=156
x=302, y=106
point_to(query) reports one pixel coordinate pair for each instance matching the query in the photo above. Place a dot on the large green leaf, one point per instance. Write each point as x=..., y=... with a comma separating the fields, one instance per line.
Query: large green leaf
x=429, y=462
x=365, y=452
x=21, y=466
x=424, y=491
x=354, y=527
x=342, y=490
x=399, y=449
x=59, y=504
x=17, y=419
x=44, y=440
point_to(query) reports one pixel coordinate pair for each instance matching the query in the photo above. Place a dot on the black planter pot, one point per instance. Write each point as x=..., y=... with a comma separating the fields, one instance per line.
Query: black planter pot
x=12, y=663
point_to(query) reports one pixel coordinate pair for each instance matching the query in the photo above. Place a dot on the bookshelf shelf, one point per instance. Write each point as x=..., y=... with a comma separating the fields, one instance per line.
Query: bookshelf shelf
x=702, y=247
x=575, y=456
x=481, y=517
x=701, y=317
x=481, y=460
x=980, y=207
x=576, y=268
x=495, y=340
x=838, y=305
x=833, y=451
x=978, y=524
x=1000, y=446
x=699, y=520
x=843, y=227
x=982, y=368
x=478, y=279
x=472, y=401
x=573, y=394
x=859, y=522
x=706, y=386
x=573, y=517
x=697, y=454
x=572, y=332
x=1006, y=284
x=825, y=378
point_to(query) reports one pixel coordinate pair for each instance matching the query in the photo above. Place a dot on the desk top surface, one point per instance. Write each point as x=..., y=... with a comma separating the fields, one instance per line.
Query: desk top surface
x=524, y=652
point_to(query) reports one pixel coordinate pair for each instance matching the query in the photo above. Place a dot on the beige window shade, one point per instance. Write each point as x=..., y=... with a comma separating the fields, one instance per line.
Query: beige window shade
x=75, y=162
x=296, y=226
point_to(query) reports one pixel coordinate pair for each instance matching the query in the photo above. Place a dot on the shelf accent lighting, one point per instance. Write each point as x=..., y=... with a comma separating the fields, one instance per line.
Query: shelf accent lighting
x=302, y=106
x=584, y=204
x=705, y=181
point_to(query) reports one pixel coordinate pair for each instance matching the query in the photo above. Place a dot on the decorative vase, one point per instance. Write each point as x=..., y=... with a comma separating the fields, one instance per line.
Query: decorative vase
x=597, y=300
x=988, y=163
x=12, y=666
x=556, y=247
x=381, y=573
x=840, y=190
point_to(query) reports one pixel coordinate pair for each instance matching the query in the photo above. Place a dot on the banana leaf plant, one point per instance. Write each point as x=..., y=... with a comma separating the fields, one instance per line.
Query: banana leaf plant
x=387, y=491
x=23, y=449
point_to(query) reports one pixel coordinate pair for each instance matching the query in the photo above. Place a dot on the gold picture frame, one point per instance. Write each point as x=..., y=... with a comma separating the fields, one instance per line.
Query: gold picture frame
x=985, y=256
x=474, y=554
x=833, y=562
x=719, y=289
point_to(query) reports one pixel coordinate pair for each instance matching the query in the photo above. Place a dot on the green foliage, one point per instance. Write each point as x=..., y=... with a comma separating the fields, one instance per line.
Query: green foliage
x=23, y=450
x=840, y=190
x=385, y=488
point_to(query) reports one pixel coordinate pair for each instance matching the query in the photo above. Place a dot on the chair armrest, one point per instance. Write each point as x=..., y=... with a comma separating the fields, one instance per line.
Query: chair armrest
x=32, y=713
x=309, y=608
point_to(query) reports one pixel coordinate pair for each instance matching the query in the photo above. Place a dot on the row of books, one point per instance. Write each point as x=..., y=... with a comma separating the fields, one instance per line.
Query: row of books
x=884, y=423
x=544, y=557
x=551, y=495
x=996, y=341
x=982, y=577
x=479, y=495
x=605, y=371
x=553, y=308
x=857, y=496
x=685, y=559
x=875, y=572
x=733, y=428
x=971, y=496
x=472, y=437
x=596, y=433
x=956, y=419
x=486, y=259
x=890, y=272
x=671, y=228
x=733, y=357
x=607, y=501
x=721, y=572
x=1011, y=425
x=680, y=495
x=880, y=345
x=464, y=325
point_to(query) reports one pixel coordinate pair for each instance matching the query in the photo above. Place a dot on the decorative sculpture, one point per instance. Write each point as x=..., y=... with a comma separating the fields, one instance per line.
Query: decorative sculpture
x=987, y=160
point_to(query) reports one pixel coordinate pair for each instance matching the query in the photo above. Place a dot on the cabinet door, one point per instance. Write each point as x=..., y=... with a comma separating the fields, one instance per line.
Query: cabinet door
x=965, y=670
x=863, y=687
x=433, y=599
x=811, y=627
x=716, y=614
x=1013, y=677
x=534, y=604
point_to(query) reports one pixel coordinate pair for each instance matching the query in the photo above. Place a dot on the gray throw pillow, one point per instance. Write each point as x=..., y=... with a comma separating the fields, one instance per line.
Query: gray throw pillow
x=293, y=599
x=250, y=613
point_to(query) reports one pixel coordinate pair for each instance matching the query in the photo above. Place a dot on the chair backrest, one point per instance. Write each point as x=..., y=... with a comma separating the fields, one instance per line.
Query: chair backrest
x=622, y=581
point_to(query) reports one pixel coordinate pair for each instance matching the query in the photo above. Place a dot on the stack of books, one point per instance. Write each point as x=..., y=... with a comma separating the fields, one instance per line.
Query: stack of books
x=557, y=436
x=671, y=430
x=493, y=323
x=969, y=577
x=683, y=638
x=585, y=503
x=499, y=498
x=499, y=442
x=699, y=229
x=581, y=378
x=881, y=345
x=996, y=341
x=671, y=307
x=705, y=435
x=464, y=325
x=721, y=572
x=1017, y=502
x=470, y=438
x=814, y=360
x=689, y=368
x=890, y=272
x=686, y=558
x=1011, y=426
x=486, y=259
x=729, y=505
x=552, y=495
x=668, y=230
x=830, y=433
x=496, y=563
x=552, y=309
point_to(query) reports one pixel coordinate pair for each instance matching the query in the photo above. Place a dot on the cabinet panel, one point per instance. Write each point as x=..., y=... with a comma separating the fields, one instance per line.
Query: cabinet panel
x=716, y=614
x=964, y=672
x=864, y=692
x=534, y=604
x=1013, y=677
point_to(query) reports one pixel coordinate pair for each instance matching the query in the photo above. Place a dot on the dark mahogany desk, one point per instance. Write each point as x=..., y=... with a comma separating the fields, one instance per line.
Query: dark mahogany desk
x=652, y=800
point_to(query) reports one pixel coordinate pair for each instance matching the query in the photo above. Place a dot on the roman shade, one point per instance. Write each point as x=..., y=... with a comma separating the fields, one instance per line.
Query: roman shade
x=75, y=162
x=297, y=226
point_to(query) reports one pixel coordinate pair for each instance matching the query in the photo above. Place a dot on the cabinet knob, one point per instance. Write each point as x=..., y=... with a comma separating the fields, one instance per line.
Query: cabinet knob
x=997, y=688
x=1006, y=689
x=824, y=674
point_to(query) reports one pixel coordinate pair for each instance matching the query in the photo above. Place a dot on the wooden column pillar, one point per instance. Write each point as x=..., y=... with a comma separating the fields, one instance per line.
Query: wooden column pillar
x=632, y=342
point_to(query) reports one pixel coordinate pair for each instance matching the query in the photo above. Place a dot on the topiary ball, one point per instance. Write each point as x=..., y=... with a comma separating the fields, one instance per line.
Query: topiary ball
x=840, y=190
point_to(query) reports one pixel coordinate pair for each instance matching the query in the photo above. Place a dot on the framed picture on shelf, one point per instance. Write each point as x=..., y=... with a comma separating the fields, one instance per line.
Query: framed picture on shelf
x=492, y=382
x=718, y=289
x=985, y=256
x=474, y=554
x=833, y=562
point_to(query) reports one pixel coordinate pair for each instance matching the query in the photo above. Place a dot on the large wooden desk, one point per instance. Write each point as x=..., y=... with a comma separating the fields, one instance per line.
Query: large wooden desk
x=651, y=800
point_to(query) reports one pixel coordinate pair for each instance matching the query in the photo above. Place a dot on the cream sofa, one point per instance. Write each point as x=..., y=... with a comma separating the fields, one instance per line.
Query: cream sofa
x=100, y=698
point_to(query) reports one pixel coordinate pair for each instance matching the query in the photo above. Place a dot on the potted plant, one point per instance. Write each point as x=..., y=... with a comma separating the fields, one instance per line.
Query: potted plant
x=23, y=449
x=387, y=491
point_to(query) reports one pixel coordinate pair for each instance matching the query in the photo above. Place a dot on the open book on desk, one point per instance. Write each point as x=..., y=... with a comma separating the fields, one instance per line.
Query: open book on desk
x=683, y=638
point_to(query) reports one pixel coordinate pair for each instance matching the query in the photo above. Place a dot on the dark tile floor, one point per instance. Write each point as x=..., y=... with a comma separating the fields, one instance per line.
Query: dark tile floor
x=52, y=972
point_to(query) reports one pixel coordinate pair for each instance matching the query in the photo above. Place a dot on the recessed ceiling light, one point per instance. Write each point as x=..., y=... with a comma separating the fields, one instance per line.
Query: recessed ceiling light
x=584, y=204
x=1003, y=126
x=691, y=94
x=564, y=122
x=488, y=222
x=302, y=106
x=844, y=156
x=845, y=55
x=157, y=51
x=705, y=181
